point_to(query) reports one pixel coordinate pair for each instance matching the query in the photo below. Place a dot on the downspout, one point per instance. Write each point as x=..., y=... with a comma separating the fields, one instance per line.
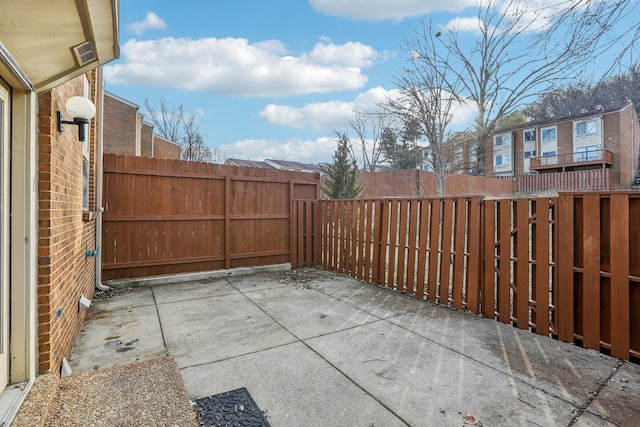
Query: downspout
x=99, y=147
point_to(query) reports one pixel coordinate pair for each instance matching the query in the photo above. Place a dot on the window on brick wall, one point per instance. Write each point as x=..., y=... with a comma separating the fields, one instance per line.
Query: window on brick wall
x=587, y=127
x=549, y=134
x=529, y=135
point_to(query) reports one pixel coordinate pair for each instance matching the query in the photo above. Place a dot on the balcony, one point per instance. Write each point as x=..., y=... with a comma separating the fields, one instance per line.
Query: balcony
x=572, y=160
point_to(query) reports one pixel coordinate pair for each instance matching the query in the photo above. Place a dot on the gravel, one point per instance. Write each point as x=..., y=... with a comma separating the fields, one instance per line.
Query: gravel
x=149, y=393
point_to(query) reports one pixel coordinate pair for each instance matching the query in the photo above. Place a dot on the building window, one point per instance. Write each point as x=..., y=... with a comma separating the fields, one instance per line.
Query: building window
x=548, y=153
x=549, y=134
x=502, y=160
x=502, y=139
x=587, y=127
x=529, y=135
x=529, y=154
x=585, y=154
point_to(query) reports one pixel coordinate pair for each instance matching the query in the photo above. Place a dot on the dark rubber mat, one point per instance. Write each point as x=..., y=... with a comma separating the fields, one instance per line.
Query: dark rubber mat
x=235, y=408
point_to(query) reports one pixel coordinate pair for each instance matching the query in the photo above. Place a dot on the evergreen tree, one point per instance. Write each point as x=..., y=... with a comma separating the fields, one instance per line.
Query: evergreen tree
x=341, y=181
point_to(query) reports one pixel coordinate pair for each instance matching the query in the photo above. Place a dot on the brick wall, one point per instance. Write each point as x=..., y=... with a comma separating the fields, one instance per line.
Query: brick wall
x=120, y=121
x=146, y=140
x=164, y=149
x=64, y=273
x=623, y=140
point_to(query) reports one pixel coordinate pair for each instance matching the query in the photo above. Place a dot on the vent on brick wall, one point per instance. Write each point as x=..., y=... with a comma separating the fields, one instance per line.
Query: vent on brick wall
x=84, y=53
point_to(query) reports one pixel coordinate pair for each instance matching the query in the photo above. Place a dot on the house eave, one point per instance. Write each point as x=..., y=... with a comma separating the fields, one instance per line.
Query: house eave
x=40, y=36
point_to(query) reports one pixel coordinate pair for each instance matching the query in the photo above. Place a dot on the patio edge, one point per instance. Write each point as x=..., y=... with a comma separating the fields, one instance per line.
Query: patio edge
x=188, y=277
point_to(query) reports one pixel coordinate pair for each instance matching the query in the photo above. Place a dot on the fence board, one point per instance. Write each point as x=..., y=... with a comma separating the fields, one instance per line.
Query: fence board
x=521, y=286
x=422, y=249
x=401, y=269
x=565, y=309
x=368, y=223
x=489, y=260
x=393, y=238
x=591, y=272
x=459, y=242
x=434, y=246
x=504, y=261
x=620, y=316
x=541, y=272
x=473, y=274
x=412, y=248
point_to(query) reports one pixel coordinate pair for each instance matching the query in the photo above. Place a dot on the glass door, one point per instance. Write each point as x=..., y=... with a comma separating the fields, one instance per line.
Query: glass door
x=4, y=234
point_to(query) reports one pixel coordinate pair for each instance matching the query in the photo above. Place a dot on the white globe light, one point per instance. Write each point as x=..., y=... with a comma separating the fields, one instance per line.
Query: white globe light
x=80, y=107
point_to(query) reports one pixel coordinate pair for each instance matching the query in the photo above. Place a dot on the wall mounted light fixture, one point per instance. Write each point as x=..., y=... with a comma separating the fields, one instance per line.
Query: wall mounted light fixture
x=82, y=110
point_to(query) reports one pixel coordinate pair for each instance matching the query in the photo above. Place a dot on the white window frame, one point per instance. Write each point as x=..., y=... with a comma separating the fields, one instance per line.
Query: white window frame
x=504, y=139
x=502, y=160
x=548, y=129
x=529, y=131
x=590, y=127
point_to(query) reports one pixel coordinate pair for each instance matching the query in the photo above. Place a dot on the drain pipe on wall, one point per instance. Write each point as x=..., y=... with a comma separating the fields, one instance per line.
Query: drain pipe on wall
x=99, y=160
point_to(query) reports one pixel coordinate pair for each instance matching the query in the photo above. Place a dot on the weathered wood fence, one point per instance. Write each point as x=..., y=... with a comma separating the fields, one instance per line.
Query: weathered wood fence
x=168, y=216
x=567, y=267
x=581, y=180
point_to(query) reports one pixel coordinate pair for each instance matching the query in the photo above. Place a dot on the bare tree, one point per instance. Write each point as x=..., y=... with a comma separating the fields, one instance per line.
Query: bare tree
x=369, y=128
x=428, y=98
x=518, y=52
x=173, y=124
x=167, y=119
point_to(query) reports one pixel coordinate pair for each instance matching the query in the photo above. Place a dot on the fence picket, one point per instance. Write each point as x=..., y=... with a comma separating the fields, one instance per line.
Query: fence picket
x=401, y=270
x=459, y=241
x=412, y=248
x=591, y=272
x=521, y=230
x=504, y=261
x=541, y=279
x=619, y=254
x=434, y=246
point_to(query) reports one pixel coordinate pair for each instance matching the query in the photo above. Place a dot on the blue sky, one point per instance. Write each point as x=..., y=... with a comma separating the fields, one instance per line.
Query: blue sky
x=271, y=79
x=267, y=79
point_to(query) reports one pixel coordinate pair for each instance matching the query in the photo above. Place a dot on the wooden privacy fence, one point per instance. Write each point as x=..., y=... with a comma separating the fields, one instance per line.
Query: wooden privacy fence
x=168, y=216
x=566, y=267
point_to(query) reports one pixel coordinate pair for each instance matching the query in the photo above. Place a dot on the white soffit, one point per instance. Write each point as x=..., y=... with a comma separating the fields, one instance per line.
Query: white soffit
x=40, y=37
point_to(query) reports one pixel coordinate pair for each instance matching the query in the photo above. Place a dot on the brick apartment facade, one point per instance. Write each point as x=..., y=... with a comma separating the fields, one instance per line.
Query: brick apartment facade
x=66, y=229
x=48, y=180
x=604, y=138
x=126, y=132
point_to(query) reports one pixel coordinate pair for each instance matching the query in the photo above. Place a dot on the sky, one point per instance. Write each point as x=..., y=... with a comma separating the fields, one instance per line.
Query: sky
x=268, y=79
x=272, y=79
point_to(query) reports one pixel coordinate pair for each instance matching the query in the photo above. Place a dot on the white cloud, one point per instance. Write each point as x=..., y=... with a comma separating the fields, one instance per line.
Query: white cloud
x=352, y=54
x=150, y=22
x=381, y=10
x=467, y=24
x=233, y=66
x=307, y=151
x=323, y=115
x=326, y=116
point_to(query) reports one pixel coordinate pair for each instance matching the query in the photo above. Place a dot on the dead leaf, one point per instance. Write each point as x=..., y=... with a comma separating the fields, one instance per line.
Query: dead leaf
x=469, y=419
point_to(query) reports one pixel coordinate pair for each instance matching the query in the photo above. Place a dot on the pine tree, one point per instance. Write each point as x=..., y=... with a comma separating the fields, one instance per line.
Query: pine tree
x=341, y=181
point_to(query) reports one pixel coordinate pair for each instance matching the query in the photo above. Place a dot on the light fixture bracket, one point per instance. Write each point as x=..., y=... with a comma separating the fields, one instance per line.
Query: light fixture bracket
x=82, y=109
x=78, y=121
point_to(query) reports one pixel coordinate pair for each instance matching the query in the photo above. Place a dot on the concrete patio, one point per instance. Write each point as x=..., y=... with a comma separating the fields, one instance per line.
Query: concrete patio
x=319, y=349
